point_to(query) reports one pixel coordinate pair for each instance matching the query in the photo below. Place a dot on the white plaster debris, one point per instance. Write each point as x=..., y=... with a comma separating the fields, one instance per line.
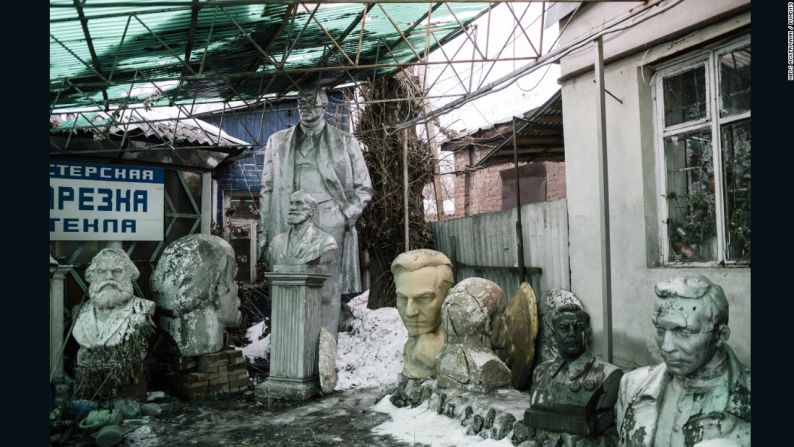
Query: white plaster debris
x=421, y=424
x=370, y=354
x=142, y=436
x=258, y=348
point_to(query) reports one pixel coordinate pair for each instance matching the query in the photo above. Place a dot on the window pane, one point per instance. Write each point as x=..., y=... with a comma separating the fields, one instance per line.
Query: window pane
x=691, y=225
x=244, y=206
x=735, y=81
x=685, y=96
x=736, y=157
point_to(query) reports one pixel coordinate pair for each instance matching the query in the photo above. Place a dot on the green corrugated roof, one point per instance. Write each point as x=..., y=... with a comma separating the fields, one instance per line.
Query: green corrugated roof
x=156, y=38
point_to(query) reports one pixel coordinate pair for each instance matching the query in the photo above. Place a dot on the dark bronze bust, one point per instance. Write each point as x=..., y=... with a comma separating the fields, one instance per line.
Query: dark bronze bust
x=574, y=392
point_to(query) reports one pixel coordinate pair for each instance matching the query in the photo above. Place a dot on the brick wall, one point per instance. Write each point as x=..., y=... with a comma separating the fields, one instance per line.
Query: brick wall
x=555, y=181
x=486, y=184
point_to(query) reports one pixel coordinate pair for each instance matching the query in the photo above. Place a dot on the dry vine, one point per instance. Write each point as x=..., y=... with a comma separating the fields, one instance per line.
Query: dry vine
x=381, y=227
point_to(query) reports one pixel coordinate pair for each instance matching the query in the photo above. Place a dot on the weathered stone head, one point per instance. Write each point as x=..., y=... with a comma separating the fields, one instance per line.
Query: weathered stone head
x=110, y=276
x=302, y=207
x=571, y=330
x=311, y=105
x=473, y=319
x=702, y=391
x=691, y=320
x=473, y=313
x=194, y=286
x=422, y=279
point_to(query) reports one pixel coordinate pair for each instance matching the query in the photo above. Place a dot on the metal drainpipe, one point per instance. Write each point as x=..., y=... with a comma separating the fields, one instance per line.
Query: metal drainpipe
x=519, y=230
x=405, y=188
x=603, y=193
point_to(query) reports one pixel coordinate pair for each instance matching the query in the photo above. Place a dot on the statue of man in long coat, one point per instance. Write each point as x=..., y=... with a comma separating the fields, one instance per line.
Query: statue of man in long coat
x=327, y=163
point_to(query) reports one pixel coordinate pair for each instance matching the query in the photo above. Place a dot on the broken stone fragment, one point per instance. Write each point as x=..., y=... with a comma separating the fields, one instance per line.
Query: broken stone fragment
x=520, y=432
x=476, y=424
x=327, y=362
x=502, y=425
x=489, y=418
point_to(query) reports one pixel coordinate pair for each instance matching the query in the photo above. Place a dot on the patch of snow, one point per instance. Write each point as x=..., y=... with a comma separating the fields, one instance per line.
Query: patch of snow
x=142, y=436
x=259, y=347
x=370, y=354
x=421, y=424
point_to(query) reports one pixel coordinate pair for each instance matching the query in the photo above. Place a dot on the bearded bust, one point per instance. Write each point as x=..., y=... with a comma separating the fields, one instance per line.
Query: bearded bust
x=113, y=316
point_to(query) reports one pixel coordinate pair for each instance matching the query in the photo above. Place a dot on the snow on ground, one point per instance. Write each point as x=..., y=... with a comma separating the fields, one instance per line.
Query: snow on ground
x=421, y=424
x=258, y=347
x=370, y=353
x=141, y=437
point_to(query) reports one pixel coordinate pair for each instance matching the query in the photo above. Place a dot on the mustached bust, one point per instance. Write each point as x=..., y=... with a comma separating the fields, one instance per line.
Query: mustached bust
x=422, y=279
x=196, y=293
x=113, y=314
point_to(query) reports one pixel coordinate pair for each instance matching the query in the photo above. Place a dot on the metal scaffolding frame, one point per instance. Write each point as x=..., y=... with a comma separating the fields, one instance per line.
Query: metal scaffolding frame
x=344, y=70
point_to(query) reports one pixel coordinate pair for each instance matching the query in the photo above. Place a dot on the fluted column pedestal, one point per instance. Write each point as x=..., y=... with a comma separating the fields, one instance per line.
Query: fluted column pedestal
x=295, y=304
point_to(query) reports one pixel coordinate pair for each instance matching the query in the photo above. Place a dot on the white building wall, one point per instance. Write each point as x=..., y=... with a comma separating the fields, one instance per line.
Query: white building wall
x=633, y=198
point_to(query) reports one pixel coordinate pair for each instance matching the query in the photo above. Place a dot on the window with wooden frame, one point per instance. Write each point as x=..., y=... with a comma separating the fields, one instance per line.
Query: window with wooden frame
x=702, y=119
x=241, y=217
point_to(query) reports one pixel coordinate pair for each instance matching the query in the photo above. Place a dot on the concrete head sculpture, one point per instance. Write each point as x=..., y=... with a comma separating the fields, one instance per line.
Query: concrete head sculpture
x=691, y=320
x=302, y=207
x=574, y=392
x=422, y=279
x=110, y=275
x=311, y=105
x=571, y=331
x=194, y=286
x=473, y=319
x=701, y=391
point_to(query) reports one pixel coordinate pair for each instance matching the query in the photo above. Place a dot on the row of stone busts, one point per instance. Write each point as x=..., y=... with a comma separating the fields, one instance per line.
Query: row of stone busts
x=194, y=289
x=456, y=334
x=463, y=337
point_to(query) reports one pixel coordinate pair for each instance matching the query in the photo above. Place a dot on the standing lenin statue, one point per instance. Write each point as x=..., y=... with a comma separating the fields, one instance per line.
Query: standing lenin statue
x=327, y=163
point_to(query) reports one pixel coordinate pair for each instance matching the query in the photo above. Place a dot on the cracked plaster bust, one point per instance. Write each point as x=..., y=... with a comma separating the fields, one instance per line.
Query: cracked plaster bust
x=113, y=313
x=195, y=289
x=473, y=319
x=422, y=279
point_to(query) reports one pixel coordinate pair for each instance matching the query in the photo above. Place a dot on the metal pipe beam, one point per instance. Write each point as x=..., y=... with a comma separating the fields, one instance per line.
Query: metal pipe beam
x=186, y=4
x=603, y=198
x=519, y=227
x=257, y=74
x=405, y=189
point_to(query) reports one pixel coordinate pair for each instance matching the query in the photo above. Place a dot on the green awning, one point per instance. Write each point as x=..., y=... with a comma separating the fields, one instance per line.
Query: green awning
x=205, y=51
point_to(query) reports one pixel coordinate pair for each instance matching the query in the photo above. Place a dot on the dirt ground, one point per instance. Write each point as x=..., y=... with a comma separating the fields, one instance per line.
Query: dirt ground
x=340, y=419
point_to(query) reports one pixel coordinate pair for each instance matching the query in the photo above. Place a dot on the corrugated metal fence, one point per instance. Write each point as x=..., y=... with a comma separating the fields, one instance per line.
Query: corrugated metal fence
x=485, y=246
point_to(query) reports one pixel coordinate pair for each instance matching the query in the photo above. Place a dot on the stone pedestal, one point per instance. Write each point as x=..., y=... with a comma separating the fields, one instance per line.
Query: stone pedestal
x=295, y=296
x=57, y=274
